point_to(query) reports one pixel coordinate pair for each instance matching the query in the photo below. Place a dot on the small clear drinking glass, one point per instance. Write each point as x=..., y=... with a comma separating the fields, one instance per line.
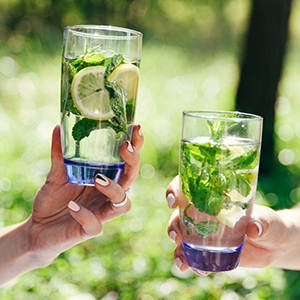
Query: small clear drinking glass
x=219, y=161
x=100, y=75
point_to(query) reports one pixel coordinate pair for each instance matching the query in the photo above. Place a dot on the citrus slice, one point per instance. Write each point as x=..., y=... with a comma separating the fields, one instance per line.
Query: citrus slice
x=127, y=77
x=89, y=94
x=230, y=216
x=236, y=150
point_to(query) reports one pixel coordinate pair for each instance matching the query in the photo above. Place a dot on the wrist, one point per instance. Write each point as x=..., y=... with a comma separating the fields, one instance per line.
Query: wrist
x=36, y=256
x=287, y=253
x=17, y=256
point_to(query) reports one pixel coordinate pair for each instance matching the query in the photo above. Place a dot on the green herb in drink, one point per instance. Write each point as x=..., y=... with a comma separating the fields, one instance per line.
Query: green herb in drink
x=212, y=172
x=91, y=91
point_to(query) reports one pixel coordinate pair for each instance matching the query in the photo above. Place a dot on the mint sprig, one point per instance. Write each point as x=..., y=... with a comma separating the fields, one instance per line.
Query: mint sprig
x=219, y=128
x=209, y=172
x=203, y=229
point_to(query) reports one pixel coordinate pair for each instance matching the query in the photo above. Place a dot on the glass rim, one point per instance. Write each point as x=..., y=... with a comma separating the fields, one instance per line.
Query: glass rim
x=134, y=34
x=219, y=115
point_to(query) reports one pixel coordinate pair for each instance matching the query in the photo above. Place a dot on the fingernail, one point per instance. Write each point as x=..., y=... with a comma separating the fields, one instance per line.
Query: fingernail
x=259, y=227
x=101, y=179
x=173, y=235
x=170, y=199
x=73, y=206
x=201, y=273
x=140, y=131
x=129, y=147
x=178, y=262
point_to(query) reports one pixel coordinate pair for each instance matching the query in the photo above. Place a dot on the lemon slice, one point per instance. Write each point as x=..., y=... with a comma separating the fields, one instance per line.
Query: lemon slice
x=89, y=94
x=127, y=77
x=230, y=216
x=236, y=150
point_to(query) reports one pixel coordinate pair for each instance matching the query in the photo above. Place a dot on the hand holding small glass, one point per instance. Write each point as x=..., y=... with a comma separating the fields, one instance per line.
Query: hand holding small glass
x=272, y=236
x=219, y=161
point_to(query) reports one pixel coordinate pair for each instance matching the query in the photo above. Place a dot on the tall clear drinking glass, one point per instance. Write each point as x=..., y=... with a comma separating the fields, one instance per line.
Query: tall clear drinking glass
x=100, y=75
x=219, y=162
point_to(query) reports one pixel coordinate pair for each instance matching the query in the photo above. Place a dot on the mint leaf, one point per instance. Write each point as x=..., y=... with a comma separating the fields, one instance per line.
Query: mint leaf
x=117, y=97
x=242, y=185
x=112, y=63
x=207, y=228
x=218, y=128
x=248, y=160
x=83, y=128
x=206, y=200
x=203, y=229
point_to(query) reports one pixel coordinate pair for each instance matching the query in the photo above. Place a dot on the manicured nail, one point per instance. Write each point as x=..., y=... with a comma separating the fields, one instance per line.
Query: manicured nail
x=170, y=199
x=200, y=273
x=73, y=206
x=173, y=235
x=259, y=227
x=102, y=180
x=140, y=131
x=178, y=262
x=129, y=147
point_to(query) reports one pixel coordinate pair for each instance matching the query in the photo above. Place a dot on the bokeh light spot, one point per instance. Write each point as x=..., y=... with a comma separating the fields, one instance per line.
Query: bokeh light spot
x=282, y=106
x=147, y=171
x=8, y=66
x=5, y=184
x=286, y=157
x=286, y=133
x=12, y=86
x=295, y=195
x=249, y=283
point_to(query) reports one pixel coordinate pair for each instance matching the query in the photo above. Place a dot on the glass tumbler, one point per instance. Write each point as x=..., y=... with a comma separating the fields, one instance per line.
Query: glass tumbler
x=100, y=76
x=219, y=161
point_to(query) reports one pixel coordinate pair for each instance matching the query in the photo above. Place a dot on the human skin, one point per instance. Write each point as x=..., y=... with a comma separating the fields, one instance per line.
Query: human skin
x=65, y=214
x=273, y=237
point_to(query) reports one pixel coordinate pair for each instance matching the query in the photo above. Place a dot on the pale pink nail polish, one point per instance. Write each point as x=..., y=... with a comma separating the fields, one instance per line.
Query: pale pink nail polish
x=200, y=273
x=173, y=235
x=129, y=147
x=74, y=206
x=170, y=199
x=259, y=227
x=102, y=180
x=140, y=131
x=178, y=262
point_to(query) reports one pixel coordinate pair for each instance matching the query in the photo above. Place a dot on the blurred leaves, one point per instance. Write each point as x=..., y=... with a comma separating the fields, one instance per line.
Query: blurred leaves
x=204, y=24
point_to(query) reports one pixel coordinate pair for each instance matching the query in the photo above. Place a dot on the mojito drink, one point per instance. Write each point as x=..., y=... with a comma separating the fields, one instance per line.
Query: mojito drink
x=98, y=99
x=218, y=179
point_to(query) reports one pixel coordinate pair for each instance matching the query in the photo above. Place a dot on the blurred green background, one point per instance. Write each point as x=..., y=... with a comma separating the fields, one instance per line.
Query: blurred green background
x=190, y=60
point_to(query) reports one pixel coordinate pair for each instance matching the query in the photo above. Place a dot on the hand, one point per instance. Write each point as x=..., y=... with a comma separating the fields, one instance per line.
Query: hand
x=269, y=234
x=56, y=224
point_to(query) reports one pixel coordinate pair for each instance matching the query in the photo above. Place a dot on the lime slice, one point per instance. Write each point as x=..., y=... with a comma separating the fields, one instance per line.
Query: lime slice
x=127, y=77
x=89, y=94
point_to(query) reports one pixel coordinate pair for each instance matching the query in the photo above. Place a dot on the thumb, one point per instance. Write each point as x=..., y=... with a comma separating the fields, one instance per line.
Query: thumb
x=266, y=228
x=57, y=161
